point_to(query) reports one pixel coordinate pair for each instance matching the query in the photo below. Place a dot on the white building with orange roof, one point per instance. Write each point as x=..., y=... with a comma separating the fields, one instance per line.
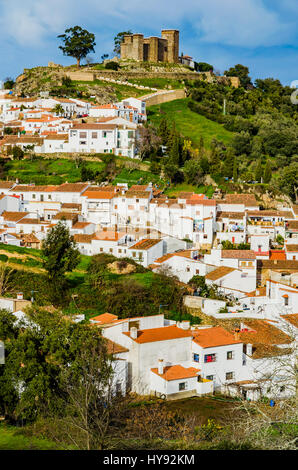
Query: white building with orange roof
x=184, y=264
x=150, y=340
x=97, y=206
x=146, y=251
x=218, y=355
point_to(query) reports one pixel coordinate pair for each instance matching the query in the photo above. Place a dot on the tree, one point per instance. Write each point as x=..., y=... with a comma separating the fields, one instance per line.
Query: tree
x=112, y=65
x=259, y=170
x=204, y=67
x=241, y=72
x=118, y=40
x=193, y=173
x=78, y=43
x=288, y=181
x=267, y=173
x=61, y=255
x=58, y=109
x=235, y=170
x=17, y=153
x=8, y=83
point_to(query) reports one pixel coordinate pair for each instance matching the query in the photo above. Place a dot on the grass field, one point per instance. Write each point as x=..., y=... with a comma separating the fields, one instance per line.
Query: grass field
x=189, y=124
x=14, y=439
x=175, y=190
x=41, y=171
x=121, y=91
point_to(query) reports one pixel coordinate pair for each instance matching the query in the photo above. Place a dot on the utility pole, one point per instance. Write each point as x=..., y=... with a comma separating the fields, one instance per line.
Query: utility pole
x=224, y=106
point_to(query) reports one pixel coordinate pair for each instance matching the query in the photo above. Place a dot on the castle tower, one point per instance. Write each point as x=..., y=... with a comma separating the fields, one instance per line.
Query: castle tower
x=172, y=36
x=138, y=47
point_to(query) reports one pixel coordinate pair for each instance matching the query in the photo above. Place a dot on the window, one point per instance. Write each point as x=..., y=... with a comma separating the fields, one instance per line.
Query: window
x=33, y=196
x=111, y=250
x=83, y=142
x=210, y=377
x=196, y=357
x=182, y=386
x=187, y=269
x=83, y=135
x=230, y=355
x=104, y=134
x=94, y=135
x=229, y=375
x=101, y=249
x=286, y=300
x=210, y=358
x=49, y=196
x=119, y=251
x=134, y=254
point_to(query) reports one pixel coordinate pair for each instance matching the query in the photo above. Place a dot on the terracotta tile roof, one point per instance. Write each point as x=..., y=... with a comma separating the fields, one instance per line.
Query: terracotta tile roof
x=72, y=187
x=165, y=333
x=6, y=184
x=13, y=216
x=65, y=215
x=32, y=188
x=291, y=248
x=83, y=237
x=277, y=254
x=109, y=235
x=238, y=254
x=212, y=337
x=199, y=201
x=177, y=372
x=98, y=194
x=291, y=318
x=57, y=137
x=30, y=238
x=27, y=220
x=137, y=194
x=94, y=126
x=79, y=225
x=105, y=318
x=183, y=254
x=230, y=215
x=114, y=348
x=263, y=332
x=246, y=199
x=219, y=273
x=138, y=187
x=145, y=244
x=71, y=205
x=292, y=225
x=260, y=292
x=278, y=264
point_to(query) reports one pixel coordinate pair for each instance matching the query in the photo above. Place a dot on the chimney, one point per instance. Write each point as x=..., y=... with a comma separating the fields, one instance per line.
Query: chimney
x=133, y=332
x=236, y=335
x=160, y=366
x=20, y=296
x=249, y=349
x=242, y=326
x=185, y=325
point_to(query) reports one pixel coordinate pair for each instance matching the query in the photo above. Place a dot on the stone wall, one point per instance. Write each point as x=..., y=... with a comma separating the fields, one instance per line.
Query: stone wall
x=163, y=97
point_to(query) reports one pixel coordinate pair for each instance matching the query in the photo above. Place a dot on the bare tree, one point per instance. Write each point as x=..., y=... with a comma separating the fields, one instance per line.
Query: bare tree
x=5, y=277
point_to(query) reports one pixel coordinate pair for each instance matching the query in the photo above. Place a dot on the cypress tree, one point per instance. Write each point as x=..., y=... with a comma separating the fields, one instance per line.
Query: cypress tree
x=267, y=173
x=259, y=171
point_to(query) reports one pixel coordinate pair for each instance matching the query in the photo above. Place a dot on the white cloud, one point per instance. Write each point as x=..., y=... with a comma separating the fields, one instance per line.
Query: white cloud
x=246, y=23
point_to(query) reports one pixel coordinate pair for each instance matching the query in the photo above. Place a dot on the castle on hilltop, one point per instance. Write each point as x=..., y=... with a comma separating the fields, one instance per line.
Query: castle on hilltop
x=152, y=49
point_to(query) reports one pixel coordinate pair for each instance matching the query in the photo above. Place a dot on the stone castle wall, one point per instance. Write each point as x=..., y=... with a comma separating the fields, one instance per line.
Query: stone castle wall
x=152, y=49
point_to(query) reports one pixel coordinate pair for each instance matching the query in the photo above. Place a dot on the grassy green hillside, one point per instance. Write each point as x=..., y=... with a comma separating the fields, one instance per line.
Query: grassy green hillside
x=189, y=124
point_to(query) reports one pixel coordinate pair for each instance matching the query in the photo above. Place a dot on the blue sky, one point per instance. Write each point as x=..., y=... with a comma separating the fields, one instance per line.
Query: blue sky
x=261, y=34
